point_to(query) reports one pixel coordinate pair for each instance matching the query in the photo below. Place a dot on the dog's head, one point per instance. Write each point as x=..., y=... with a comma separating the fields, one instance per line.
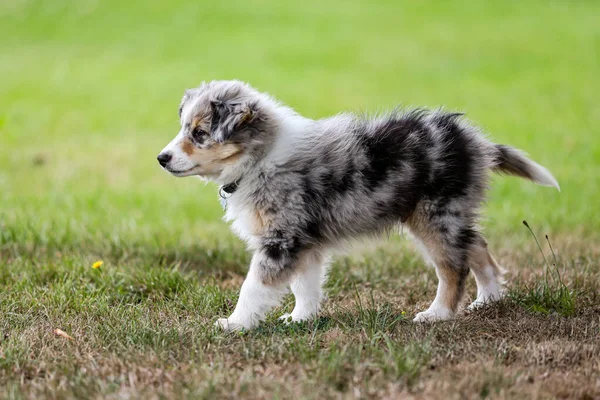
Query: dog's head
x=223, y=125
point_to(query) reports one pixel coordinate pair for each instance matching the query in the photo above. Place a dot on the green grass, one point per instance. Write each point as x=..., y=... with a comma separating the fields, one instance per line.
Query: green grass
x=88, y=96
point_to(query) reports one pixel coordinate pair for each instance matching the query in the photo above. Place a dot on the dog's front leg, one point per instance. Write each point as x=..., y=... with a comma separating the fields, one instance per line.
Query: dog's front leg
x=306, y=287
x=263, y=289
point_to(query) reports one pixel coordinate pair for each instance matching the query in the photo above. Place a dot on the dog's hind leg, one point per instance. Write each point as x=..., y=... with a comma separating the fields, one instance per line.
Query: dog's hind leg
x=488, y=275
x=446, y=241
x=451, y=284
x=306, y=286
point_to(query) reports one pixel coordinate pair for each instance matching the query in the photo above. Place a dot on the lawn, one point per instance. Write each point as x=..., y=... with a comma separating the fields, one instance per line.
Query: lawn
x=89, y=92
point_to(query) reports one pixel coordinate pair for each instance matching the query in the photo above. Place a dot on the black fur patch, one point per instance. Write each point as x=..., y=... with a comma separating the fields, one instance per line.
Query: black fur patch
x=392, y=150
x=454, y=175
x=387, y=146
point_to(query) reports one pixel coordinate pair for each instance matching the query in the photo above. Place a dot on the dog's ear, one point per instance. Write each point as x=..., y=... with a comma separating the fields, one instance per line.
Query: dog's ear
x=228, y=118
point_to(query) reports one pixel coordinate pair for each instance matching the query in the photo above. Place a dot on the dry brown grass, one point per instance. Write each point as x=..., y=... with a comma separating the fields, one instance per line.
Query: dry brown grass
x=157, y=340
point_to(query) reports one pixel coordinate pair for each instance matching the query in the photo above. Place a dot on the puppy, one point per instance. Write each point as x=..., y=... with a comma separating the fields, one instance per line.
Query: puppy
x=295, y=188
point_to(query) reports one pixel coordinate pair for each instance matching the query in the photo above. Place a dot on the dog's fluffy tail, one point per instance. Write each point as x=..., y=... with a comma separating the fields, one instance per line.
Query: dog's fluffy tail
x=514, y=162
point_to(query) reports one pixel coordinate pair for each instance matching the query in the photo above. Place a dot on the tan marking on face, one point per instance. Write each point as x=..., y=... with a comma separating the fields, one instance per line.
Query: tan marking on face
x=196, y=121
x=199, y=120
x=232, y=158
x=228, y=152
x=188, y=147
x=213, y=158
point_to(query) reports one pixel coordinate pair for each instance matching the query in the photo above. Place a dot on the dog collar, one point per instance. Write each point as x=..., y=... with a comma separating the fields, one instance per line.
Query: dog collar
x=226, y=191
x=229, y=189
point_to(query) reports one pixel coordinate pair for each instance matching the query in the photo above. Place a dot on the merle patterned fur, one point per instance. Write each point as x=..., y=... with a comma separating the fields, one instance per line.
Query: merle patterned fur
x=306, y=186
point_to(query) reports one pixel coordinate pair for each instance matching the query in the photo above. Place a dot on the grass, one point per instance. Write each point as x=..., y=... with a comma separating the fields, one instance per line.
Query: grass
x=550, y=294
x=89, y=96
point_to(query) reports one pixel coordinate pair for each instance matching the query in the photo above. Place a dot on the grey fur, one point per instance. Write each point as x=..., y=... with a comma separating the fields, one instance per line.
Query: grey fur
x=306, y=186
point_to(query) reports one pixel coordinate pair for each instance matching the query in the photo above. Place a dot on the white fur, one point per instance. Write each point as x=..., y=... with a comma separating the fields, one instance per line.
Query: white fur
x=489, y=287
x=542, y=176
x=180, y=164
x=434, y=313
x=307, y=290
x=437, y=311
x=290, y=136
x=255, y=301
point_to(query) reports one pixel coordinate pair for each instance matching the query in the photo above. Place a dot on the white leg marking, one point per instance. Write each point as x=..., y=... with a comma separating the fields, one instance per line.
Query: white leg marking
x=489, y=286
x=306, y=287
x=437, y=311
x=256, y=299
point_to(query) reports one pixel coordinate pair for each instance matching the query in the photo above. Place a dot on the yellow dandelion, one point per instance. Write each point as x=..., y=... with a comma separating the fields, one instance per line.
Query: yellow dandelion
x=97, y=264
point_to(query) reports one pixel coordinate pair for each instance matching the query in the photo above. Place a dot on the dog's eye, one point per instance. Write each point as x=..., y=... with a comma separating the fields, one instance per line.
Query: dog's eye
x=199, y=135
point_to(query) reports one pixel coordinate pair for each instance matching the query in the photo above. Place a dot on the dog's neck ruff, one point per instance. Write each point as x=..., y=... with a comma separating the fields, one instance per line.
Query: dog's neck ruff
x=226, y=191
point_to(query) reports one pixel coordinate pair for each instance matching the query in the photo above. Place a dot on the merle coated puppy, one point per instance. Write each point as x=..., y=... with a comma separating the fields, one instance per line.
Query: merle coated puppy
x=296, y=188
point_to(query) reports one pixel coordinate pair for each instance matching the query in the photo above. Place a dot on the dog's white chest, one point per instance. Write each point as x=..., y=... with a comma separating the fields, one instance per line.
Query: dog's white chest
x=245, y=223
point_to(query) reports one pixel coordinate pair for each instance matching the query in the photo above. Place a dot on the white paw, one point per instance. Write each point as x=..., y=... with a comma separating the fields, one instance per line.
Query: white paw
x=476, y=304
x=288, y=318
x=228, y=325
x=434, y=314
x=481, y=301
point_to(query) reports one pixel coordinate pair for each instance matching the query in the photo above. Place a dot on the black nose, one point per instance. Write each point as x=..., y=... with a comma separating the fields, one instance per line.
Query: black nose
x=164, y=158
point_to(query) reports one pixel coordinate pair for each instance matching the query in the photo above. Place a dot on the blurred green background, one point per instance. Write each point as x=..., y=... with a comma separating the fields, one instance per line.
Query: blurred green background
x=90, y=90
